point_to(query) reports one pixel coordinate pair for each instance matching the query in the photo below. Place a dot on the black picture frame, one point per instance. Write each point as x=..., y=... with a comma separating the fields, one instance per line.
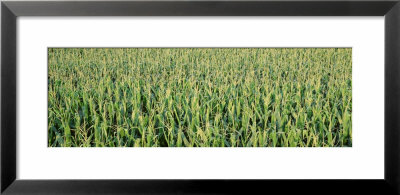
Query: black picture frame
x=10, y=10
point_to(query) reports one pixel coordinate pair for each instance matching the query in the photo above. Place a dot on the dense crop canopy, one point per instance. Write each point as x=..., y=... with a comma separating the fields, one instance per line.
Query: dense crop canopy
x=200, y=97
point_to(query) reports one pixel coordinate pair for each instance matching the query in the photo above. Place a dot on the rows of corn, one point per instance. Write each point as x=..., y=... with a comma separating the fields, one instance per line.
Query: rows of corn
x=199, y=97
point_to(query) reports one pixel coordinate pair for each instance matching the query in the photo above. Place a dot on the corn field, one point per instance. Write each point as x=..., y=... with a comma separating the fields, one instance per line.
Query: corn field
x=199, y=97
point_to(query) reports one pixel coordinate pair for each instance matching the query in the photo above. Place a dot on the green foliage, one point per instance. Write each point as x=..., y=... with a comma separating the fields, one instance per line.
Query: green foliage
x=199, y=97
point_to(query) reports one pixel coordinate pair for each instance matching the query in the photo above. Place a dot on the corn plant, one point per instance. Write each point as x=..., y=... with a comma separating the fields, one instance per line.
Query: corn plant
x=199, y=97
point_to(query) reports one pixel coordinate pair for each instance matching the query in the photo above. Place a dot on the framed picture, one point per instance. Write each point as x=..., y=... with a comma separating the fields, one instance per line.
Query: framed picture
x=200, y=97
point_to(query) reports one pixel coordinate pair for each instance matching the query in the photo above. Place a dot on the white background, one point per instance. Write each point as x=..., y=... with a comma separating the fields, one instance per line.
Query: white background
x=364, y=160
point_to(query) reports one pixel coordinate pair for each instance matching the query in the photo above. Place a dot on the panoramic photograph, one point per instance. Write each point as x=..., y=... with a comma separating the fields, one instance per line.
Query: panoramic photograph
x=199, y=97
